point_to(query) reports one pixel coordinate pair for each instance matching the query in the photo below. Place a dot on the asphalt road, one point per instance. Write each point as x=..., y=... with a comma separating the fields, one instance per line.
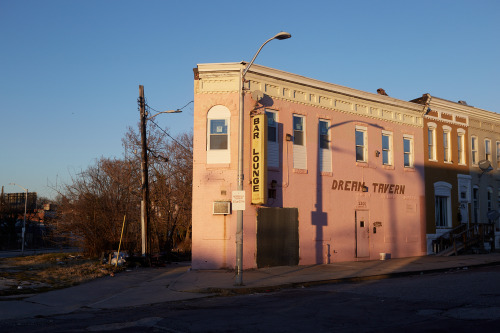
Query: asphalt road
x=455, y=301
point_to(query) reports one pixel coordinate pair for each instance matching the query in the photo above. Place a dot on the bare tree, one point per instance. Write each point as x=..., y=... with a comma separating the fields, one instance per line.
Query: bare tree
x=92, y=206
x=170, y=176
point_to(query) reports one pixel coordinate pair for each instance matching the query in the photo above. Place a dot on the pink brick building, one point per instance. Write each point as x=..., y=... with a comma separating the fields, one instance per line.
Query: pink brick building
x=344, y=171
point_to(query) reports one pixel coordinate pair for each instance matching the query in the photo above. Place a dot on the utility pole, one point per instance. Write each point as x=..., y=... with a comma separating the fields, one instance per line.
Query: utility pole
x=145, y=182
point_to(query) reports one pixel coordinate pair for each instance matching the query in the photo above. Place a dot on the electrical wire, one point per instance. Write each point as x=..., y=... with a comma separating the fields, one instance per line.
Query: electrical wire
x=180, y=144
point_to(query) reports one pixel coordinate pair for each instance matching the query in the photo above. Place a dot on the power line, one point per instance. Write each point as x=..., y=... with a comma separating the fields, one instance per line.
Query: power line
x=180, y=144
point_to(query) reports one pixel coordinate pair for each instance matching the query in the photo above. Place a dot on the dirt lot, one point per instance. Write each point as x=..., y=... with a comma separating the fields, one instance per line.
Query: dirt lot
x=23, y=276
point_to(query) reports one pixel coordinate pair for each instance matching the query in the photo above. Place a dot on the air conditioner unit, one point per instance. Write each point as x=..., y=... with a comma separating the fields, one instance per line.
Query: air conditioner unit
x=222, y=207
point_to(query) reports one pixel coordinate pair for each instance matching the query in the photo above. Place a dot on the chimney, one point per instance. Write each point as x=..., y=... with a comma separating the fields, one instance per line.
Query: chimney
x=382, y=92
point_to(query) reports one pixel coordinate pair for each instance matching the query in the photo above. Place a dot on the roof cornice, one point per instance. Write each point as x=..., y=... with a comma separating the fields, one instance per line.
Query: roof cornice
x=313, y=83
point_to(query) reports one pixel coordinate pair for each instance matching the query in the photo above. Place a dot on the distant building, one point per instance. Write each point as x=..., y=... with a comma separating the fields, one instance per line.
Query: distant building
x=15, y=201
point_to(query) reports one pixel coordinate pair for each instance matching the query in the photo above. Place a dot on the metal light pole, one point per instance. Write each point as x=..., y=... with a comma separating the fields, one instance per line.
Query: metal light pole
x=24, y=221
x=239, y=221
x=145, y=221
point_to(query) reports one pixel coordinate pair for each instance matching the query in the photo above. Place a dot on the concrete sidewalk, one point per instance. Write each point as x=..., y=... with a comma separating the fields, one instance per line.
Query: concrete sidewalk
x=178, y=282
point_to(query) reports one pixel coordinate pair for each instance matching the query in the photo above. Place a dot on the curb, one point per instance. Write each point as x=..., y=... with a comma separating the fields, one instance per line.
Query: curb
x=233, y=291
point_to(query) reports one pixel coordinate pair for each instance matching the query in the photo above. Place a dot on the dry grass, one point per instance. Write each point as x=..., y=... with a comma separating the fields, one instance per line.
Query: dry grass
x=40, y=273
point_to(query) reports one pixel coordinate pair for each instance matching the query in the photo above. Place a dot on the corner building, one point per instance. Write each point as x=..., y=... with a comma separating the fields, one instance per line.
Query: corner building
x=345, y=171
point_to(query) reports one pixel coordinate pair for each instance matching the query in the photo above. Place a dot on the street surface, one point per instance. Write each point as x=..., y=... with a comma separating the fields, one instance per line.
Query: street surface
x=461, y=300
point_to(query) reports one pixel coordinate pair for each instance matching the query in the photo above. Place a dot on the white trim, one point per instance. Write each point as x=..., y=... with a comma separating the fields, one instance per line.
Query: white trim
x=325, y=155
x=273, y=147
x=215, y=156
x=411, y=152
x=300, y=151
x=364, y=130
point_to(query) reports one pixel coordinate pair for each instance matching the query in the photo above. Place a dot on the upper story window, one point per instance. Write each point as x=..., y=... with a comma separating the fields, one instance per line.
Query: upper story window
x=446, y=144
x=272, y=126
x=218, y=129
x=473, y=147
x=431, y=141
x=386, y=148
x=324, y=134
x=361, y=144
x=408, y=151
x=298, y=130
x=487, y=149
x=299, y=142
x=273, y=149
x=460, y=146
x=325, y=153
x=218, y=134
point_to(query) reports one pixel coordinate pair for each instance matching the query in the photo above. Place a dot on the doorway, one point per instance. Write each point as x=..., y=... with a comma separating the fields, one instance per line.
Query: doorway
x=277, y=237
x=362, y=230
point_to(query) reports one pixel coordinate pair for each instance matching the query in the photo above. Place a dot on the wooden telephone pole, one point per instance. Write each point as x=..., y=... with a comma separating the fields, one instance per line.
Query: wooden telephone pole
x=145, y=182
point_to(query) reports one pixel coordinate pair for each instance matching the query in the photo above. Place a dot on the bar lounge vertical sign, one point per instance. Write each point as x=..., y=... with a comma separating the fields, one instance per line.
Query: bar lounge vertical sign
x=259, y=159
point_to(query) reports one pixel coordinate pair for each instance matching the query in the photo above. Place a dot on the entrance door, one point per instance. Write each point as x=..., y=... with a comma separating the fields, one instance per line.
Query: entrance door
x=464, y=212
x=362, y=234
x=277, y=237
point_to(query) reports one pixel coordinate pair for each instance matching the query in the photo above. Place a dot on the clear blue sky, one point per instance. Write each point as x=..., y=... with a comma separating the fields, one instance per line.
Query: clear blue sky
x=70, y=70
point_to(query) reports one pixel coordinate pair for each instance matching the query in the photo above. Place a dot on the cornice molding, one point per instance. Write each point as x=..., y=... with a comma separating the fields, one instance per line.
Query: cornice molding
x=224, y=78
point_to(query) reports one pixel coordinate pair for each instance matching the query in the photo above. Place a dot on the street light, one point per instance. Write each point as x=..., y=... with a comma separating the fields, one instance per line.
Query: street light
x=239, y=222
x=145, y=222
x=24, y=221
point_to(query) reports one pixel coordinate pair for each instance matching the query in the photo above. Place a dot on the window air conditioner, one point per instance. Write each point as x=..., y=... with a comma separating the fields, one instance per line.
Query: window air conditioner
x=222, y=207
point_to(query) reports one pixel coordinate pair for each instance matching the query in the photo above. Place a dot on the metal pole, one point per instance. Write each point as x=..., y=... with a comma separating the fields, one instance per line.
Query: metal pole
x=144, y=168
x=24, y=222
x=239, y=215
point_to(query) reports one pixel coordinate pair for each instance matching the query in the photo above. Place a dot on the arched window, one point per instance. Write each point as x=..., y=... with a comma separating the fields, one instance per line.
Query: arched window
x=218, y=135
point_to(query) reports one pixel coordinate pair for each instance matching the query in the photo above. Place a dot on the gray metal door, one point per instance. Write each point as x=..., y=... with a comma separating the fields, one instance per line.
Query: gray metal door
x=362, y=234
x=277, y=237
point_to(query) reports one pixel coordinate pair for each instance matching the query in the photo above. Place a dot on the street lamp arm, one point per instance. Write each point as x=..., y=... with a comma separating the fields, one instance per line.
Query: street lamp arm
x=168, y=111
x=281, y=35
x=19, y=186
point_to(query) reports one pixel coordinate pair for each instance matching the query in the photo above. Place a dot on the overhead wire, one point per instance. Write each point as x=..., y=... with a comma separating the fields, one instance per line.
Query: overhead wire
x=166, y=133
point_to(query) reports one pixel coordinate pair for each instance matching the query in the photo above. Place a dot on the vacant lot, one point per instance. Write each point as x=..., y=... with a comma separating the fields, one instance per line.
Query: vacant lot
x=23, y=276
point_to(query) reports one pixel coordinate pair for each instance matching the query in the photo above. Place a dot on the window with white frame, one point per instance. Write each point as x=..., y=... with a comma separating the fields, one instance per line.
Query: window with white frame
x=431, y=141
x=487, y=149
x=442, y=197
x=460, y=146
x=218, y=131
x=387, y=148
x=446, y=144
x=408, y=151
x=473, y=147
x=273, y=149
x=475, y=204
x=361, y=144
x=325, y=153
x=299, y=142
